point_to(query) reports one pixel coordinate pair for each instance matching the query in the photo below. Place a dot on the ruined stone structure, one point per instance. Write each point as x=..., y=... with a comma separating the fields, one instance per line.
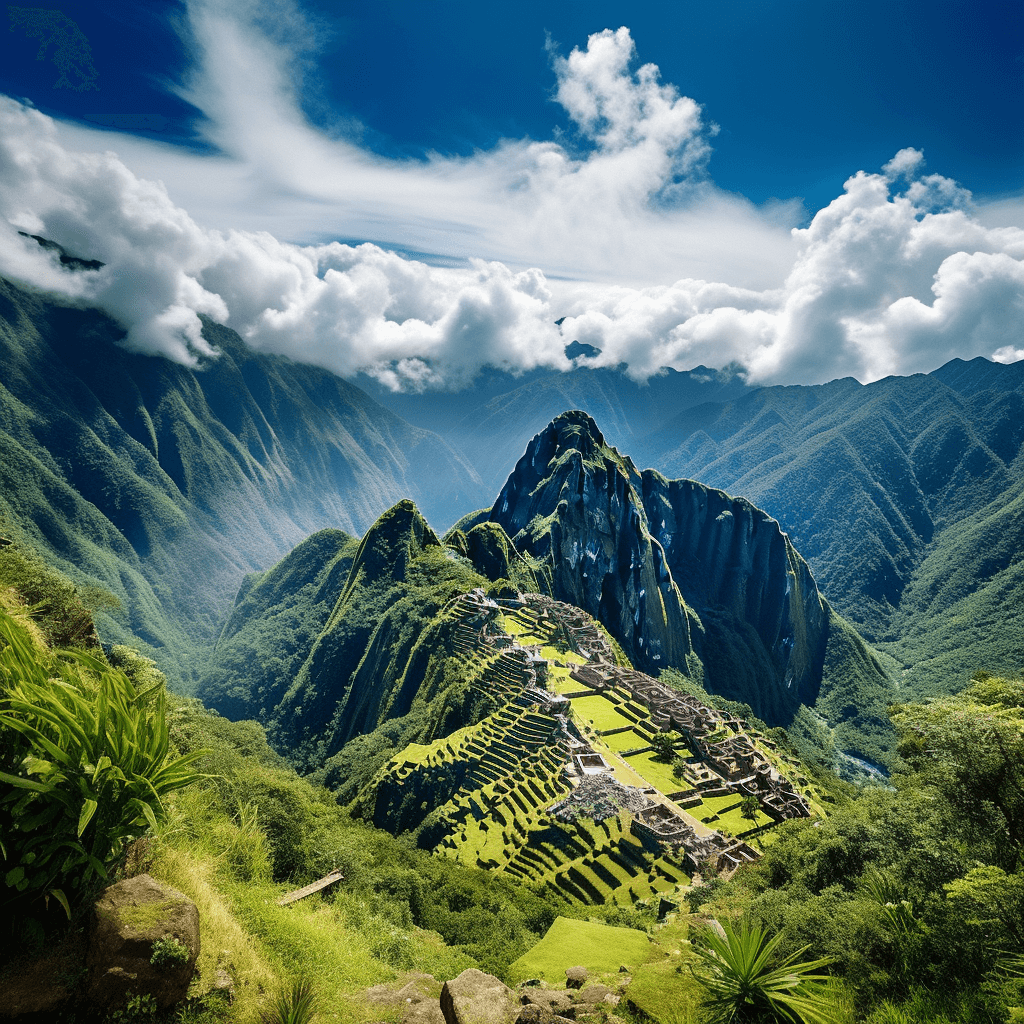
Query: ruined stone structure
x=724, y=758
x=734, y=759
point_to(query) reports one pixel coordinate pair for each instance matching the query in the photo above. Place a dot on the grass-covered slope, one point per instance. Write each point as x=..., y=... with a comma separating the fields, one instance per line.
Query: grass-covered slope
x=278, y=615
x=341, y=640
x=164, y=484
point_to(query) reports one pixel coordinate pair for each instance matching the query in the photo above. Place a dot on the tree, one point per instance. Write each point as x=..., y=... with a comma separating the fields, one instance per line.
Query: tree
x=749, y=806
x=664, y=744
x=737, y=972
x=970, y=747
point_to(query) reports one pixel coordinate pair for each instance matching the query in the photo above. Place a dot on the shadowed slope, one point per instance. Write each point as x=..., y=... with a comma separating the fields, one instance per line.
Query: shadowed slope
x=165, y=484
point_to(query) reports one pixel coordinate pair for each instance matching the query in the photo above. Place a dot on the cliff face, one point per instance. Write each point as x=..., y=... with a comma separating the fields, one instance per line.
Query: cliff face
x=732, y=562
x=675, y=570
x=574, y=503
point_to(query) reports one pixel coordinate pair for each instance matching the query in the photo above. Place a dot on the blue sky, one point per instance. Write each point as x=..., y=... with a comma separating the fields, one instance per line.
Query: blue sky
x=808, y=189
x=804, y=91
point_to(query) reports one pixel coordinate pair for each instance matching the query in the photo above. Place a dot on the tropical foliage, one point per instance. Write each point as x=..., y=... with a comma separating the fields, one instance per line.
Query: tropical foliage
x=746, y=981
x=916, y=889
x=86, y=765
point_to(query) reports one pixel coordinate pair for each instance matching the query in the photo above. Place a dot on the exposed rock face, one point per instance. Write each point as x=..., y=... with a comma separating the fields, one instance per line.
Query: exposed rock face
x=128, y=919
x=575, y=503
x=675, y=570
x=477, y=998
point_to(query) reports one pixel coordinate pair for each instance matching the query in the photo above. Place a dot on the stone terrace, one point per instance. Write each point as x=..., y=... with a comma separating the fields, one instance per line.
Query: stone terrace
x=727, y=760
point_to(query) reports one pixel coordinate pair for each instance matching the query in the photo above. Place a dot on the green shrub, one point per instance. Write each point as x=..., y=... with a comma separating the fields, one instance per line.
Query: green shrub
x=169, y=953
x=87, y=765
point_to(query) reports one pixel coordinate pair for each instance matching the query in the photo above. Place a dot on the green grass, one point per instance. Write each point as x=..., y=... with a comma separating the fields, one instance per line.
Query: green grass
x=600, y=712
x=664, y=991
x=600, y=948
x=657, y=773
x=627, y=741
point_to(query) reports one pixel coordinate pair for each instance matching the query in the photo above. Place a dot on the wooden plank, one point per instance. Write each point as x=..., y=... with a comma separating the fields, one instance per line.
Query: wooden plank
x=308, y=890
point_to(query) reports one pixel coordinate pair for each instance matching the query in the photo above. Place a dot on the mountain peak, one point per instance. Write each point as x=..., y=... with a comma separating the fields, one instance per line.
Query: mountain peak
x=574, y=429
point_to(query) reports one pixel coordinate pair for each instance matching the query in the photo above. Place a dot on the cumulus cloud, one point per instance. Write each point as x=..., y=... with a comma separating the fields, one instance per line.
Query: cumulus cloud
x=341, y=307
x=883, y=283
x=896, y=275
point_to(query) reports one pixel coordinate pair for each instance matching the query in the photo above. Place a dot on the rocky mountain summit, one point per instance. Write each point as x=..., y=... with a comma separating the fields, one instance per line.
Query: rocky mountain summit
x=681, y=574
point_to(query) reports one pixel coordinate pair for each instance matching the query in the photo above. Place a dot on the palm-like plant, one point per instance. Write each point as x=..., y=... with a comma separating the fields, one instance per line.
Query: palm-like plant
x=744, y=982
x=294, y=1004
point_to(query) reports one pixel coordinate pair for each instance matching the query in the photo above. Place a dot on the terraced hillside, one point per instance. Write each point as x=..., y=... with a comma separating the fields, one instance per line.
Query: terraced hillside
x=562, y=784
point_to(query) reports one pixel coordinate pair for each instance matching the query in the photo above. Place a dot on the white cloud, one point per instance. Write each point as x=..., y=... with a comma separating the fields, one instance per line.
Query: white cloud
x=632, y=206
x=883, y=283
x=896, y=275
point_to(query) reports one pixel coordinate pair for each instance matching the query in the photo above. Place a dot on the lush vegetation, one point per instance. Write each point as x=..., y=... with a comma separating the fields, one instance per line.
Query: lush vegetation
x=914, y=890
x=85, y=763
x=128, y=471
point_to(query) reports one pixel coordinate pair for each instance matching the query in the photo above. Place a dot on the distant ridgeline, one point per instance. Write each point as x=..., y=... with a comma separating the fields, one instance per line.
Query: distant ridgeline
x=905, y=496
x=163, y=484
x=348, y=653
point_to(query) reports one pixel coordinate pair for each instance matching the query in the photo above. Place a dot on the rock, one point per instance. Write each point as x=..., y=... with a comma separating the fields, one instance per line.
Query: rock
x=672, y=568
x=127, y=919
x=531, y=983
x=555, y=1000
x=575, y=977
x=223, y=984
x=477, y=998
x=623, y=969
x=416, y=1000
x=594, y=994
x=534, y=1013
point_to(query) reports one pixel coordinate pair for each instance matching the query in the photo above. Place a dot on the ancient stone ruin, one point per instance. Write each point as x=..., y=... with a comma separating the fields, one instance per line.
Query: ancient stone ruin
x=723, y=758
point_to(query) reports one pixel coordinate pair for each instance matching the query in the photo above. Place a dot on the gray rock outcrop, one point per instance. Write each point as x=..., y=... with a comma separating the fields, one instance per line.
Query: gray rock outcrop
x=127, y=920
x=681, y=574
x=478, y=998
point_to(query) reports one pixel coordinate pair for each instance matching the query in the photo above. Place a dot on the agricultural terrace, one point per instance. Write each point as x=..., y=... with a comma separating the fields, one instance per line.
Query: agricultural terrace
x=510, y=793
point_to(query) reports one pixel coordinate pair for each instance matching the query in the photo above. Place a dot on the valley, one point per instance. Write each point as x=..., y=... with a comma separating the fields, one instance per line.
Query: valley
x=608, y=694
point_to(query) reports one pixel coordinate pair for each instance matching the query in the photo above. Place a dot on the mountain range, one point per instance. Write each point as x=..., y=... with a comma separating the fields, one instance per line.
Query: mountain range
x=164, y=484
x=897, y=504
x=903, y=495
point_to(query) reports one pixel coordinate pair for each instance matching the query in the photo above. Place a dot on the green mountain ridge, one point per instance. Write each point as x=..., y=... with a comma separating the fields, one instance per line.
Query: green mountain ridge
x=164, y=484
x=380, y=668
x=865, y=479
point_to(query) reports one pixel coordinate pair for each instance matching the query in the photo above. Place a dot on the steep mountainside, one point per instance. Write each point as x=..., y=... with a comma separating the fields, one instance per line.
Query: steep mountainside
x=164, y=484
x=865, y=479
x=348, y=640
x=681, y=574
x=886, y=489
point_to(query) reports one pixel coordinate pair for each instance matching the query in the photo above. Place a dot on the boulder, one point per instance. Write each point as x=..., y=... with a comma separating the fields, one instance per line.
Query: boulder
x=594, y=994
x=478, y=998
x=555, y=1000
x=533, y=1013
x=415, y=1002
x=575, y=977
x=128, y=919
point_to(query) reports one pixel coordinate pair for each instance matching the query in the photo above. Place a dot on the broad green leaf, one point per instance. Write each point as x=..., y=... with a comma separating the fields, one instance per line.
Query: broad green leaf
x=88, y=810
